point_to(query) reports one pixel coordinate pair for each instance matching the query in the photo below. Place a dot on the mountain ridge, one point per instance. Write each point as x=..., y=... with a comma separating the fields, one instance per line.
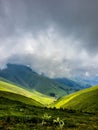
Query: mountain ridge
x=24, y=76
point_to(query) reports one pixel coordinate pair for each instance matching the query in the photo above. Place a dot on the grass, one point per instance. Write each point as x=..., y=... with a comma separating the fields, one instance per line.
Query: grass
x=43, y=99
x=22, y=110
x=17, y=97
x=15, y=115
x=24, y=76
x=82, y=100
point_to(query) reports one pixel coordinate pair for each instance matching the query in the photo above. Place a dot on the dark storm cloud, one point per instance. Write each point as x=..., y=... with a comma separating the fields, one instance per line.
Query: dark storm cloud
x=22, y=16
x=63, y=33
x=78, y=18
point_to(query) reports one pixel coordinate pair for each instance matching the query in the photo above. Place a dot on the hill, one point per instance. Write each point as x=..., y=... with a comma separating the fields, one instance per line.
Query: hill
x=16, y=97
x=34, y=95
x=85, y=100
x=86, y=81
x=24, y=76
x=71, y=85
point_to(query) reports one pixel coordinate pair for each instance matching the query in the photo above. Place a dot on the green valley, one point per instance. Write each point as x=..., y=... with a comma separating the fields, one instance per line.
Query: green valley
x=26, y=78
x=22, y=109
x=84, y=100
x=43, y=99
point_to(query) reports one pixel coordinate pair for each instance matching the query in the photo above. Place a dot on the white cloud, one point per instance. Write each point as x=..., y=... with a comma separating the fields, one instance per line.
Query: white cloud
x=59, y=38
x=48, y=52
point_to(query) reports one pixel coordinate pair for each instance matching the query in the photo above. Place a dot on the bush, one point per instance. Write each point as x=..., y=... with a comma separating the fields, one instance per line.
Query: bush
x=59, y=122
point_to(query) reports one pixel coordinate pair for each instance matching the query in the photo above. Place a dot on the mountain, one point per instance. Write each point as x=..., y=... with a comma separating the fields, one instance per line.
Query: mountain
x=20, y=93
x=86, y=81
x=94, y=80
x=85, y=100
x=24, y=76
x=71, y=86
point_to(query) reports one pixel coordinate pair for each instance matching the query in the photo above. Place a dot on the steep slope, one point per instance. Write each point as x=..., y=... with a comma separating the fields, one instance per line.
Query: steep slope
x=20, y=98
x=24, y=76
x=86, y=100
x=43, y=99
x=71, y=86
x=86, y=81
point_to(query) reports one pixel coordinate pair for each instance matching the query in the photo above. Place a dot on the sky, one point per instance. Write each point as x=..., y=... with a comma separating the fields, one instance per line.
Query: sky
x=56, y=37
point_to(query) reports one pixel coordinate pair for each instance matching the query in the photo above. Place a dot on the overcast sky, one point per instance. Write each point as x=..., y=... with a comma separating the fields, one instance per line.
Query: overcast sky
x=56, y=37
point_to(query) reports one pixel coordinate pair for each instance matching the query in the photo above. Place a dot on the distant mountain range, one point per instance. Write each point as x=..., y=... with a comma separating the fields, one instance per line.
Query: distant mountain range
x=87, y=80
x=73, y=85
x=25, y=77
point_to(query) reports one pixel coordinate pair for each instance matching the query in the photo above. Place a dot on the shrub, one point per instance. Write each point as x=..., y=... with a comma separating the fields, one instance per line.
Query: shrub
x=46, y=119
x=59, y=122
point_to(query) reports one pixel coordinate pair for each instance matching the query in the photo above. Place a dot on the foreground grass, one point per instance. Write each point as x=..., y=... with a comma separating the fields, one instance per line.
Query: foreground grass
x=15, y=115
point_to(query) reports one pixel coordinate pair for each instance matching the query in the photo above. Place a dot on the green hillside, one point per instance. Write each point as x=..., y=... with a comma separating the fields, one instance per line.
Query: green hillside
x=85, y=100
x=20, y=111
x=43, y=99
x=17, y=97
x=24, y=76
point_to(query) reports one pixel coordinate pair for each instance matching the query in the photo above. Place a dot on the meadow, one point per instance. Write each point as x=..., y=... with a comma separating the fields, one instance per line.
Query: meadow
x=15, y=115
x=24, y=110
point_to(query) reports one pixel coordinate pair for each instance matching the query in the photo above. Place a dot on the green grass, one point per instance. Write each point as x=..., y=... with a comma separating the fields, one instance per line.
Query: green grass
x=15, y=115
x=24, y=76
x=20, y=98
x=43, y=99
x=86, y=100
x=20, y=111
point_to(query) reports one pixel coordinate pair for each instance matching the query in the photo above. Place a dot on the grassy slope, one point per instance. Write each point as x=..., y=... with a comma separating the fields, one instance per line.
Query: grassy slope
x=86, y=100
x=24, y=76
x=20, y=98
x=15, y=115
x=43, y=99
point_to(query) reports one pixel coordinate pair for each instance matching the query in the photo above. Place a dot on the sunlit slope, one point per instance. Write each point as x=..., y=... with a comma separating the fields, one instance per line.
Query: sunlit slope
x=20, y=98
x=43, y=99
x=86, y=100
x=24, y=76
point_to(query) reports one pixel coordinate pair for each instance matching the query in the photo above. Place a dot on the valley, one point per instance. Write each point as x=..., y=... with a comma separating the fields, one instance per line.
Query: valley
x=15, y=115
x=27, y=108
x=26, y=78
x=48, y=64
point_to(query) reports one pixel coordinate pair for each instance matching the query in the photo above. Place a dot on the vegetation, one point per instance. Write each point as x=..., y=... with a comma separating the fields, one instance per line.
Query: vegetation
x=85, y=100
x=15, y=115
x=21, y=109
x=17, y=97
x=24, y=76
x=72, y=85
x=43, y=99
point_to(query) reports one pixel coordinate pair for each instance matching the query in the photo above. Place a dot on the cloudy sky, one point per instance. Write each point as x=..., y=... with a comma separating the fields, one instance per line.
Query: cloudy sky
x=56, y=37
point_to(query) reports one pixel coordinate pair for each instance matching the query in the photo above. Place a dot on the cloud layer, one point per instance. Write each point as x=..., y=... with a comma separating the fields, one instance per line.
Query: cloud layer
x=59, y=38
